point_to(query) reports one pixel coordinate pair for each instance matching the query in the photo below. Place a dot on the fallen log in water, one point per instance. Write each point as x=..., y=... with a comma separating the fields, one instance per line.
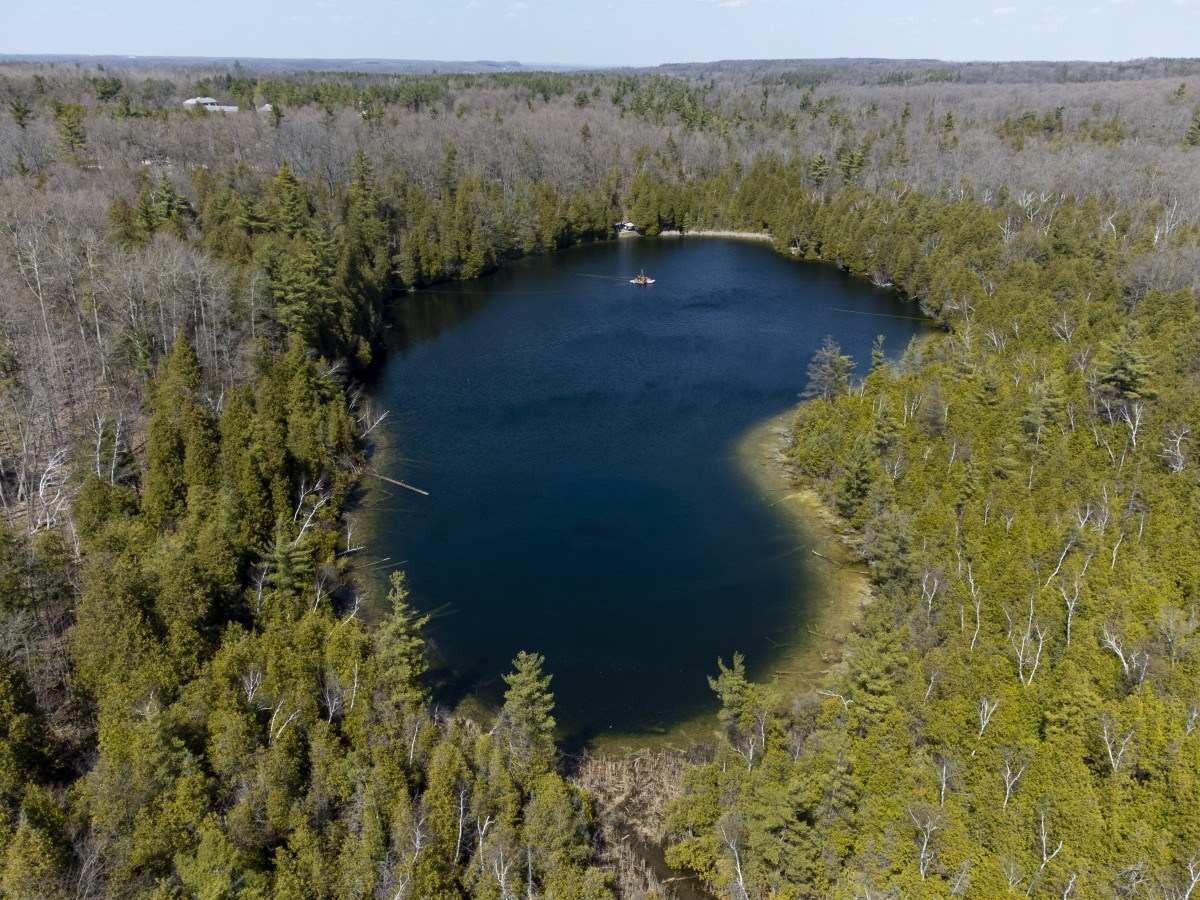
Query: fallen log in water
x=403, y=484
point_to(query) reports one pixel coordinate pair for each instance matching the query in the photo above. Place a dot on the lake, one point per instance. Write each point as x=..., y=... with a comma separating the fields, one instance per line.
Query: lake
x=576, y=435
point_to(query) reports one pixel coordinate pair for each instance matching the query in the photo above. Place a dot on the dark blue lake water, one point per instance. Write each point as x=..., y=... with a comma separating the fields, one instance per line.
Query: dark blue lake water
x=575, y=434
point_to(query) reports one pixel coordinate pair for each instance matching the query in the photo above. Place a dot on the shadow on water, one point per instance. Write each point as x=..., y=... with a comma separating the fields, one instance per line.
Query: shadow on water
x=575, y=435
x=424, y=315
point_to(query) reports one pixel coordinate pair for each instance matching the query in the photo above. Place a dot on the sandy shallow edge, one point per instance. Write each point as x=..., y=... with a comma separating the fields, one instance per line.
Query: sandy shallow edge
x=835, y=582
x=717, y=233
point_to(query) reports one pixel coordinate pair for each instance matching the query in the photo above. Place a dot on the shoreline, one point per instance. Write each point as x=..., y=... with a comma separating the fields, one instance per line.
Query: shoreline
x=633, y=778
x=718, y=233
x=836, y=587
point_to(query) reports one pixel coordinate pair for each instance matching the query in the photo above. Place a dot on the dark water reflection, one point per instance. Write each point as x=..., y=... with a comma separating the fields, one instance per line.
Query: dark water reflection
x=575, y=434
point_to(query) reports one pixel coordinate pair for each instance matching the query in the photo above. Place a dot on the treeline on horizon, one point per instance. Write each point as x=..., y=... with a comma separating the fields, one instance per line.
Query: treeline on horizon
x=193, y=701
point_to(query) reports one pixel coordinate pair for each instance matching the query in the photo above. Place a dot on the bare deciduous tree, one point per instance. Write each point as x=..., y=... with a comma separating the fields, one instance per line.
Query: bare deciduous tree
x=1115, y=743
x=1011, y=774
x=1134, y=663
x=986, y=709
x=1172, y=448
x=927, y=823
x=1027, y=641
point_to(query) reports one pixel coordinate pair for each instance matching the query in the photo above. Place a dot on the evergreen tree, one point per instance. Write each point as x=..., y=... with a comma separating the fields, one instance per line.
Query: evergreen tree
x=526, y=720
x=36, y=855
x=1126, y=376
x=287, y=203
x=878, y=356
x=1042, y=412
x=818, y=169
x=400, y=648
x=123, y=225
x=828, y=372
x=20, y=111
x=72, y=138
x=745, y=708
x=1192, y=137
x=556, y=835
x=885, y=431
x=24, y=743
x=888, y=547
x=180, y=439
x=856, y=484
x=301, y=285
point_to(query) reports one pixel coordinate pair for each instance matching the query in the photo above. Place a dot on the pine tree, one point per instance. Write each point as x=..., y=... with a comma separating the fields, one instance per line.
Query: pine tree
x=287, y=204
x=20, y=111
x=878, y=356
x=444, y=802
x=526, y=720
x=123, y=226
x=144, y=211
x=72, y=139
x=400, y=648
x=1192, y=137
x=745, y=707
x=247, y=497
x=291, y=567
x=180, y=439
x=301, y=288
x=24, y=745
x=818, y=169
x=889, y=550
x=35, y=858
x=216, y=868
x=884, y=431
x=828, y=372
x=556, y=837
x=170, y=209
x=1041, y=412
x=1126, y=377
x=855, y=486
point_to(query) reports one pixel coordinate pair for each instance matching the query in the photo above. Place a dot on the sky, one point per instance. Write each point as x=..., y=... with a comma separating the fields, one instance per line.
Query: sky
x=605, y=32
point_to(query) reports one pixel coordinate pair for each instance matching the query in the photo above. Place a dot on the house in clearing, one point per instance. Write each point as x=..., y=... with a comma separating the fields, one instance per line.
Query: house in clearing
x=209, y=103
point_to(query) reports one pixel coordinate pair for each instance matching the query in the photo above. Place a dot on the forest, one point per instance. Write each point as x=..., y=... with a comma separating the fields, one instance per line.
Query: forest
x=197, y=697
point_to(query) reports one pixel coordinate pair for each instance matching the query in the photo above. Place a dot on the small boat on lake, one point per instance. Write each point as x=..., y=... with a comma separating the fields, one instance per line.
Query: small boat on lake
x=641, y=278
